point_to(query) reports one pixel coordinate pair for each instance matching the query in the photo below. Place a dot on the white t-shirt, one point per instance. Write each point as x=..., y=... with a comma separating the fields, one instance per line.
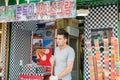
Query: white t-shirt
x=61, y=59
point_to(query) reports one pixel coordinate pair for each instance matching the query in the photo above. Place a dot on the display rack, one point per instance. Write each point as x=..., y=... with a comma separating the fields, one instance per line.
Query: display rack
x=43, y=40
x=107, y=67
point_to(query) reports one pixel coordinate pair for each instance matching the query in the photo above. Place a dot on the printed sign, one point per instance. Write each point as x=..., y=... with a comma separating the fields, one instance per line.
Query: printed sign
x=24, y=12
x=39, y=11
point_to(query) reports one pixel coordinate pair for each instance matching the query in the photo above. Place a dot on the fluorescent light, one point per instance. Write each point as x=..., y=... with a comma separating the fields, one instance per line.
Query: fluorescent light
x=82, y=12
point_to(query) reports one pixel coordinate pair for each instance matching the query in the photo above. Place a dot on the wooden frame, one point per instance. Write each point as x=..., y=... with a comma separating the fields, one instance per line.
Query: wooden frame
x=5, y=35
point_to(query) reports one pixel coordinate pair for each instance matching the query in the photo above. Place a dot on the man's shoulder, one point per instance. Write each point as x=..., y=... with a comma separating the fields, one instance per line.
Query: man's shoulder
x=57, y=48
x=70, y=48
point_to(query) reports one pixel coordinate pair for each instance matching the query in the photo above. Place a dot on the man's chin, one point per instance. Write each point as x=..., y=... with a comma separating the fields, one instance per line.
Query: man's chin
x=59, y=46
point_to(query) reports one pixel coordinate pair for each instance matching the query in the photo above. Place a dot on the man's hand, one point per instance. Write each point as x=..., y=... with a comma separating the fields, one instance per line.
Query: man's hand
x=53, y=78
x=52, y=59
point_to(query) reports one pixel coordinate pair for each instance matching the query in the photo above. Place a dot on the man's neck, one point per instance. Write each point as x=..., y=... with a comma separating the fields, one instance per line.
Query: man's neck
x=63, y=47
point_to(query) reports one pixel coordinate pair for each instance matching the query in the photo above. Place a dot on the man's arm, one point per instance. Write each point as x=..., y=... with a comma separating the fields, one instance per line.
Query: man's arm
x=67, y=70
x=52, y=61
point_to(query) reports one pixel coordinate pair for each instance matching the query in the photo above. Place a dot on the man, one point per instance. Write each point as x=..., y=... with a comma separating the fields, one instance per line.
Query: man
x=63, y=58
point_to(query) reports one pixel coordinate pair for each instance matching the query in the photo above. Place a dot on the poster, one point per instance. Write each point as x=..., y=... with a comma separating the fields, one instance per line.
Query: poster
x=44, y=56
x=38, y=43
x=49, y=33
x=48, y=43
x=41, y=49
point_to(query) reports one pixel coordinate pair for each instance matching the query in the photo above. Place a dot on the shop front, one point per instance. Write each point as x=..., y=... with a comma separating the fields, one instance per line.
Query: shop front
x=32, y=39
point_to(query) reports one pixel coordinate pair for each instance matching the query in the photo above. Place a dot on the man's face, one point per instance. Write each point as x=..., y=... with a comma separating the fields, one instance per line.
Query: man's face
x=61, y=40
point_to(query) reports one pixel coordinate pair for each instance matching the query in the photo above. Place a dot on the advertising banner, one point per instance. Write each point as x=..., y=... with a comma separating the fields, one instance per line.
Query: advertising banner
x=39, y=11
x=24, y=12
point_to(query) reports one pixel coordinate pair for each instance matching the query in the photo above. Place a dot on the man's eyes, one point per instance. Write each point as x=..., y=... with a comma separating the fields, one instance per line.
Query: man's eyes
x=58, y=38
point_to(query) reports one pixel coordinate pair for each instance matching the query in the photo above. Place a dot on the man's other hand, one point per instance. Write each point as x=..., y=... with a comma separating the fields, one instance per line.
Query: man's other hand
x=53, y=78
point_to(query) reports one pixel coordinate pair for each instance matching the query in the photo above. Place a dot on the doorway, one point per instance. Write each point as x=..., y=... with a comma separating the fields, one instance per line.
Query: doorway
x=73, y=42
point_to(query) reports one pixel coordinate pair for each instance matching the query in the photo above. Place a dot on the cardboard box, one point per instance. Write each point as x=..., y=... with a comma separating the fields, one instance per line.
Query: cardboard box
x=73, y=22
x=61, y=23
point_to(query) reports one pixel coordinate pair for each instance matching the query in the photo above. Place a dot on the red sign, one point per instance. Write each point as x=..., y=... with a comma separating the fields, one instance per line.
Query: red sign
x=44, y=56
x=30, y=77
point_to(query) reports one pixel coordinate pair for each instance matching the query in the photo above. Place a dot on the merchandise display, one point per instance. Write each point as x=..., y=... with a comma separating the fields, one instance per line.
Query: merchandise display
x=115, y=56
x=42, y=49
x=91, y=60
x=112, y=67
x=42, y=40
x=104, y=64
x=98, y=60
x=106, y=59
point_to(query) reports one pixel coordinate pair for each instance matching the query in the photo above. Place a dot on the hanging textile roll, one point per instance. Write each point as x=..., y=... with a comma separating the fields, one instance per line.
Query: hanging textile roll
x=41, y=0
x=28, y=1
x=6, y=2
x=17, y=2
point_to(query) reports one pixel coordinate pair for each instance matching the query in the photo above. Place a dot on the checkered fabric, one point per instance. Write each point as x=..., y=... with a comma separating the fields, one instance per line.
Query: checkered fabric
x=99, y=18
x=29, y=69
x=25, y=25
x=20, y=46
x=32, y=69
x=40, y=69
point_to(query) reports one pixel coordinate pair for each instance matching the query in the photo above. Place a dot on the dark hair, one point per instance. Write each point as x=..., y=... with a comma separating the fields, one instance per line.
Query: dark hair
x=62, y=32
